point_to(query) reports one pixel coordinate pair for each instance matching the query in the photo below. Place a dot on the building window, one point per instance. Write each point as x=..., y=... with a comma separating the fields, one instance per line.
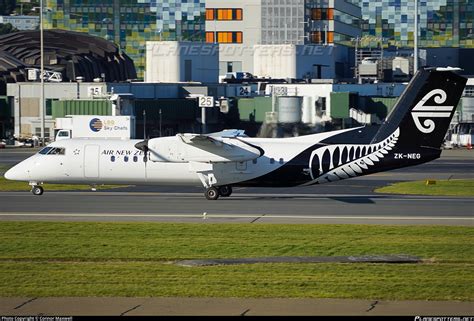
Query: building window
x=46, y=132
x=330, y=37
x=210, y=14
x=229, y=37
x=224, y=14
x=320, y=37
x=322, y=14
x=210, y=37
x=330, y=14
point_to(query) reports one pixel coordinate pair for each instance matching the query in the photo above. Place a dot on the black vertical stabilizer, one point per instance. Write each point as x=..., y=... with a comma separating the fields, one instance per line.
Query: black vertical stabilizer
x=425, y=109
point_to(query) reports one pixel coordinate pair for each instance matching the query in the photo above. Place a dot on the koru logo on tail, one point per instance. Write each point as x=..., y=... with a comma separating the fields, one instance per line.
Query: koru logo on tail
x=428, y=112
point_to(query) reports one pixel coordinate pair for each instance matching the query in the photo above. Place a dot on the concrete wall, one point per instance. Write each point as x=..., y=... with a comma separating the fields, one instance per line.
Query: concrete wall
x=250, y=26
x=297, y=61
x=173, y=61
x=26, y=102
x=313, y=92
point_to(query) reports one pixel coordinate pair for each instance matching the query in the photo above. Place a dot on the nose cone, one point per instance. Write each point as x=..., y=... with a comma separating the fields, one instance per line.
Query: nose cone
x=17, y=173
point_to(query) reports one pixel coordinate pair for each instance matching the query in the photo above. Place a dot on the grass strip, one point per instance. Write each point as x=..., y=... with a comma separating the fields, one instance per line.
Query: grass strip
x=441, y=188
x=134, y=259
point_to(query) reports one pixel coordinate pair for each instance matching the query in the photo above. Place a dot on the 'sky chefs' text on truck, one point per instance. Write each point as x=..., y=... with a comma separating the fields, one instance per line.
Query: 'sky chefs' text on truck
x=95, y=127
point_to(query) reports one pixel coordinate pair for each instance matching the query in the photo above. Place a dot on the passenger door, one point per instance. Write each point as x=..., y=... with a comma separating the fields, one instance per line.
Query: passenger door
x=91, y=161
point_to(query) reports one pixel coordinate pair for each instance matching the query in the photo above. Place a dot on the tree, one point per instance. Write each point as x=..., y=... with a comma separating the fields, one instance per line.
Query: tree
x=6, y=28
x=7, y=7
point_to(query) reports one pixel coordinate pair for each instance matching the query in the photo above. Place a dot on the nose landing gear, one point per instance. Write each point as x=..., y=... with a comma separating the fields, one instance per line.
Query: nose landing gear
x=37, y=190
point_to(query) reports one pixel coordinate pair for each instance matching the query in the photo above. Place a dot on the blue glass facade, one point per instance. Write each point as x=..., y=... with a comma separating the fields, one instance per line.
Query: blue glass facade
x=442, y=23
x=130, y=23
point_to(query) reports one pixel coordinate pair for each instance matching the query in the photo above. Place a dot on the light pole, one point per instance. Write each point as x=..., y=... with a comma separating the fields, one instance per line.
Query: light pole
x=42, y=111
x=144, y=124
x=160, y=122
x=415, y=55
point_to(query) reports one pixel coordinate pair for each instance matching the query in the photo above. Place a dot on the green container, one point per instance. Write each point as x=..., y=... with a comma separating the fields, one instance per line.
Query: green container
x=254, y=109
x=340, y=105
x=62, y=108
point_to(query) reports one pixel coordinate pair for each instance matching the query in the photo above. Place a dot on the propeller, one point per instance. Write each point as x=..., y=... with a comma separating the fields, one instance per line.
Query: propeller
x=143, y=146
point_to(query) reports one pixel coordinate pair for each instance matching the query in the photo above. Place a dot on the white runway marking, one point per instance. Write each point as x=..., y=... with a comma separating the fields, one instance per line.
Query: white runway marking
x=238, y=196
x=263, y=216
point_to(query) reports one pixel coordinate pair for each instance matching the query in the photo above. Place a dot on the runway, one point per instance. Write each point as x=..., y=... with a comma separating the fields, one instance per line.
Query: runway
x=346, y=202
x=241, y=208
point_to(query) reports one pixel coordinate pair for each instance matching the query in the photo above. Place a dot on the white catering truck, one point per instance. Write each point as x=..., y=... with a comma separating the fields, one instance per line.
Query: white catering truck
x=92, y=126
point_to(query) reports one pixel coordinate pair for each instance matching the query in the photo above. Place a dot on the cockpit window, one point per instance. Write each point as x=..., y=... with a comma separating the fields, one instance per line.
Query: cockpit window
x=45, y=150
x=53, y=151
x=57, y=151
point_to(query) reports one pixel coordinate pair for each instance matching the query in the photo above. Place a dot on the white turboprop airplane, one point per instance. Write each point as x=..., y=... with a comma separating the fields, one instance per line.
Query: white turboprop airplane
x=411, y=135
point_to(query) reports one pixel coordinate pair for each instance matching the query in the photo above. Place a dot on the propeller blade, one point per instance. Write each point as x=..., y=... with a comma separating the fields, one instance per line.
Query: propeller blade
x=143, y=146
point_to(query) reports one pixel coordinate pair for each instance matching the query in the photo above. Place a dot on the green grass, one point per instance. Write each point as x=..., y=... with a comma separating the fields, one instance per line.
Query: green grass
x=135, y=260
x=442, y=188
x=11, y=186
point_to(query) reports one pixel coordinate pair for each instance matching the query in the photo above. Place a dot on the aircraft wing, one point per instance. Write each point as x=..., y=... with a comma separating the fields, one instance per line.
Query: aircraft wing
x=219, y=147
x=222, y=147
x=213, y=138
x=201, y=140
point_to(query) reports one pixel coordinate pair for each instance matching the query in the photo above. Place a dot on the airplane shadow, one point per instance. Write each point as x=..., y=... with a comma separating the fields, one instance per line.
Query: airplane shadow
x=354, y=199
x=344, y=199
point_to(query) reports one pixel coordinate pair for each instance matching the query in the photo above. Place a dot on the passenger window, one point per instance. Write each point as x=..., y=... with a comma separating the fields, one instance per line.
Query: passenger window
x=254, y=161
x=135, y=159
x=272, y=160
x=125, y=159
x=281, y=161
x=112, y=158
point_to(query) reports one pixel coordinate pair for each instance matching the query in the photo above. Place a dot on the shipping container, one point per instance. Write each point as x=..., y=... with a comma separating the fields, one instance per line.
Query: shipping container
x=339, y=105
x=254, y=109
x=63, y=108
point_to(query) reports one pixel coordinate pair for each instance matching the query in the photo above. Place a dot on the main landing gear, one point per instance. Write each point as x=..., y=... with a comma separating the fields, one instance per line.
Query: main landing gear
x=213, y=193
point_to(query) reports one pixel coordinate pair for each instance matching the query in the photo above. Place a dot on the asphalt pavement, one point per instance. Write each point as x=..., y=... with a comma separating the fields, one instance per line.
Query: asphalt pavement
x=227, y=306
x=346, y=202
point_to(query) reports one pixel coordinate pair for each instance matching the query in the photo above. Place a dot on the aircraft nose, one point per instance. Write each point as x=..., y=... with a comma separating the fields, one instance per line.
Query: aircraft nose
x=17, y=173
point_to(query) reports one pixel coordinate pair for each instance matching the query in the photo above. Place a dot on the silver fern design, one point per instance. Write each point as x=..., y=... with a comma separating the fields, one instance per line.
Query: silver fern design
x=335, y=162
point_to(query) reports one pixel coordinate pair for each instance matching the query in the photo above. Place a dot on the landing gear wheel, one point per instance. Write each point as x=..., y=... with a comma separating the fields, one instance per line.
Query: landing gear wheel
x=212, y=193
x=225, y=191
x=37, y=190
